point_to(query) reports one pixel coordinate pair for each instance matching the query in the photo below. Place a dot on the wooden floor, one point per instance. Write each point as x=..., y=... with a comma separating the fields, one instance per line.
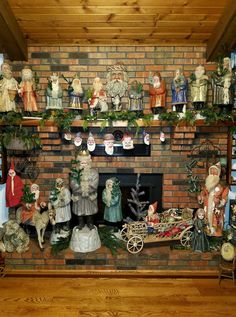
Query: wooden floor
x=116, y=297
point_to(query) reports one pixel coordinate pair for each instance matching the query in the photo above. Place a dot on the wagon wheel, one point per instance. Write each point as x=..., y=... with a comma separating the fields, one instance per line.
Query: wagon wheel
x=124, y=234
x=135, y=244
x=186, y=237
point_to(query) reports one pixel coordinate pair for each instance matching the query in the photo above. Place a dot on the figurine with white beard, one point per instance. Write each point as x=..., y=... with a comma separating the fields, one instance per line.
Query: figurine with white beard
x=214, y=197
x=117, y=84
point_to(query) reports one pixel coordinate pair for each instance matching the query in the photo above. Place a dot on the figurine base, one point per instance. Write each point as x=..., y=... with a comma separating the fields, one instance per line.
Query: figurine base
x=226, y=109
x=179, y=108
x=198, y=105
x=85, y=240
x=157, y=110
x=198, y=116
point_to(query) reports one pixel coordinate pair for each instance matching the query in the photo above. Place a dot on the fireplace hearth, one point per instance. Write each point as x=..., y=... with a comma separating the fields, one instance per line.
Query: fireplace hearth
x=151, y=184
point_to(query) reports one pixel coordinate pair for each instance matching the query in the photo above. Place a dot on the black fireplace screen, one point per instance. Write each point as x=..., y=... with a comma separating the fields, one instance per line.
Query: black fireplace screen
x=151, y=184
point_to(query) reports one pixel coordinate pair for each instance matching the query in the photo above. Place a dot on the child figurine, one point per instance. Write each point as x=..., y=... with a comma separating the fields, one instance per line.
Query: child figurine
x=152, y=217
x=200, y=242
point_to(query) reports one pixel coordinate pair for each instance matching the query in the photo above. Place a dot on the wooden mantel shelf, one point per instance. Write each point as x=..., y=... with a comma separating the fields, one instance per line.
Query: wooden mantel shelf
x=140, y=123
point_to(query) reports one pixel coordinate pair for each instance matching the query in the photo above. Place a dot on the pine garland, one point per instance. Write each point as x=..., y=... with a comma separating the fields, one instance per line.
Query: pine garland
x=109, y=240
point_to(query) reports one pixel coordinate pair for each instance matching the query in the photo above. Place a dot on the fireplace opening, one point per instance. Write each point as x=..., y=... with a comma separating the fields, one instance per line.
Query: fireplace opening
x=151, y=184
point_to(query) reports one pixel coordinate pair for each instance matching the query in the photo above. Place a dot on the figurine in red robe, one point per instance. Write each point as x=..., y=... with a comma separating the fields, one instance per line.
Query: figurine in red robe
x=14, y=188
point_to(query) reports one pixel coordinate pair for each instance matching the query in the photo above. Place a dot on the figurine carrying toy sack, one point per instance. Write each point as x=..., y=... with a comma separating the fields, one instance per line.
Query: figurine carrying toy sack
x=214, y=197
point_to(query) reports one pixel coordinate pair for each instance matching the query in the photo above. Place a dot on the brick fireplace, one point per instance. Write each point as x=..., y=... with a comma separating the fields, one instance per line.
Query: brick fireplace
x=151, y=184
x=166, y=162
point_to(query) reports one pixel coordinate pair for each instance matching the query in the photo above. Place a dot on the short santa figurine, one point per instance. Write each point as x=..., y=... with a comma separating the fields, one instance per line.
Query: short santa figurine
x=14, y=188
x=152, y=217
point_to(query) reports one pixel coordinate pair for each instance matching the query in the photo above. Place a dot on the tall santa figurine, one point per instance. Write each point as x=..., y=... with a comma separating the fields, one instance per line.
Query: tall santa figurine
x=14, y=188
x=214, y=197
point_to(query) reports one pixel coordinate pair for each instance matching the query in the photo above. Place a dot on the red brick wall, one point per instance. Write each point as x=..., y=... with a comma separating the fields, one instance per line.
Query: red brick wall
x=168, y=159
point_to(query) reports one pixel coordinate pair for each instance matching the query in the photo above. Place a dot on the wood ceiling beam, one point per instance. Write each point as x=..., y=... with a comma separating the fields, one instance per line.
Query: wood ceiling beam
x=223, y=38
x=11, y=37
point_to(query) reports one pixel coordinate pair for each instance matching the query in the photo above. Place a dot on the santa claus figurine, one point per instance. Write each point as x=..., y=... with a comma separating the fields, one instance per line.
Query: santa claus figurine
x=152, y=217
x=14, y=188
x=214, y=197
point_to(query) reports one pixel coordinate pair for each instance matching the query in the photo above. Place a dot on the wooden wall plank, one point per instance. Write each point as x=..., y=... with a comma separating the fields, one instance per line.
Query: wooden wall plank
x=223, y=38
x=172, y=3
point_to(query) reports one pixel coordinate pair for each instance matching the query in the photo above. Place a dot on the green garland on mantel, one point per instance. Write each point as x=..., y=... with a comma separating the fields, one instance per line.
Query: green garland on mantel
x=108, y=118
x=64, y=119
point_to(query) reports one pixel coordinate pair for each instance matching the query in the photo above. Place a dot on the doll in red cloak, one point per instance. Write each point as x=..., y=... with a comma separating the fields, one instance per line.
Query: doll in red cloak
x=14, y=188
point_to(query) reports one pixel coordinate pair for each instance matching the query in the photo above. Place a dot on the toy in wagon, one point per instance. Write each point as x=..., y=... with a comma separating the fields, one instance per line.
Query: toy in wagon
x=171, y=225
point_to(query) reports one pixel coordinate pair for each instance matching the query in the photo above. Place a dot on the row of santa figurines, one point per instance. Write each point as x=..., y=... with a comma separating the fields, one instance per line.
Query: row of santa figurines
x=82, y=196
x=117, y=87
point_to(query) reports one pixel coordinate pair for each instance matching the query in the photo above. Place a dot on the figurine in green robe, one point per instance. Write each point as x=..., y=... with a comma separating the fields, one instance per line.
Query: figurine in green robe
x=111, y=196
x=200, y=242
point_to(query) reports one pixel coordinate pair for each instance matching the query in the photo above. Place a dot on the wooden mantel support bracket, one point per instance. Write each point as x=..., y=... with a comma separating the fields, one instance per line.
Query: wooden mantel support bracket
x=12, y=40
x=223, y=38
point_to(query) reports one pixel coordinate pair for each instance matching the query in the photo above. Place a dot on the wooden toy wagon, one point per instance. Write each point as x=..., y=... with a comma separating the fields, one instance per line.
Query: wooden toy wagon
x=136, y=233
